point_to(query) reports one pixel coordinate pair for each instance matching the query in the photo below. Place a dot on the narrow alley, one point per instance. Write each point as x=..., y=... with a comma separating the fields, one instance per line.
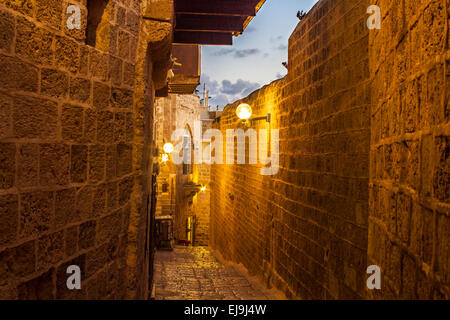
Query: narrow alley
x=194, y=273
x=292, y=145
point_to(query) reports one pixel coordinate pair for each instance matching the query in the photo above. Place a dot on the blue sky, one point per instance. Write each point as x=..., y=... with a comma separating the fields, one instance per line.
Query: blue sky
x=233, y=72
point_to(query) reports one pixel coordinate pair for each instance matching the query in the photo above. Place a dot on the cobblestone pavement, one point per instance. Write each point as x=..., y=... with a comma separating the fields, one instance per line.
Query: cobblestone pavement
x=193, y=273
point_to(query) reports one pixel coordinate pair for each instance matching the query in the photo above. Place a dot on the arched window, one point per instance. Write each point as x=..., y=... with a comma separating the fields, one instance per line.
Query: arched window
x=188, y=151
x=96, y=10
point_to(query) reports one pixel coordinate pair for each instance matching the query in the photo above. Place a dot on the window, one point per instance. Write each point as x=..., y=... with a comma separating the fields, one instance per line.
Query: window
x=96, y=8
x=187, y=153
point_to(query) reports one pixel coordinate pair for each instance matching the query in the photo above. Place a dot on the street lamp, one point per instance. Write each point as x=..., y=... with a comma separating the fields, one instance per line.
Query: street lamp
x=168, y=148
x=244, y=112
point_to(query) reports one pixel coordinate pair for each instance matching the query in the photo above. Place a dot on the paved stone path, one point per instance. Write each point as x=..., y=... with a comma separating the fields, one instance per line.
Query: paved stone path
x=193, y=273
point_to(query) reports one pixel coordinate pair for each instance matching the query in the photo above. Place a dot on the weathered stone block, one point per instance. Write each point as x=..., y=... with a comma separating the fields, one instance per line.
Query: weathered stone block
x=22, y=6
x=72, y=123
x=128, y=74
x=6, y=107
x=115, y=70
x=404, y=208
x=442, y=169
x=125, y=190
x=67, y=54
x=111, y=195
x=87, y=235
x=65, y=206
x=7, y=26
x=129, y=129
x=111, y=162
x=101, y=96
x=124, y=45
x=159, y=9
x=96, y=259
x=40, y=288
x=28, y=174
x=17, y=75
x=121, y=98
x=33, y=42
x=54, y=83
x=7, y=165
x=119, y=127
x=90, y=125
x=54, y=164
x=99, y=205
x=49, y=12
x=80, y=90
x=105, y=127
x=34, y=117
x=17, y=262
x=9, y=218
x=124, y=159
x=109, y=226
x=78, y=163
x=50, y=250
x=85, y=198
x=99, y=65
x=84, y=59
x=71, y=240
x=96, y=163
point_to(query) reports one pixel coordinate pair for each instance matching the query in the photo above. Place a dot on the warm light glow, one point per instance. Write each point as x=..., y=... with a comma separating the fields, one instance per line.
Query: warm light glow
x=168, y=147
x=165, y=157
x=203, y=188
x=244, y=111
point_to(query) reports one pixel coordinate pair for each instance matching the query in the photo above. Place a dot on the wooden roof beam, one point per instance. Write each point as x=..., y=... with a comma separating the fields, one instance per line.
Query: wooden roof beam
x=203, y=38
x=216, y=23
x=208, y=7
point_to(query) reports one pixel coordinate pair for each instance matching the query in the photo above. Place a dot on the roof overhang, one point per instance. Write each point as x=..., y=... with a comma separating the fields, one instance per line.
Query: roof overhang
x=212, y=22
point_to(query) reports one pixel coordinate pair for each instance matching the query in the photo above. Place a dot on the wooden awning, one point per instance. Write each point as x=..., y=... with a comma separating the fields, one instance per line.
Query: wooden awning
x=212, y=22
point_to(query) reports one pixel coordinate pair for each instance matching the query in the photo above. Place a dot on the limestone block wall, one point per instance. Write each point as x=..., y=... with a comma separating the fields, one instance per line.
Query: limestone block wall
x=75, y=141
x=364, y=159
x=304, y=230
x=410, y=159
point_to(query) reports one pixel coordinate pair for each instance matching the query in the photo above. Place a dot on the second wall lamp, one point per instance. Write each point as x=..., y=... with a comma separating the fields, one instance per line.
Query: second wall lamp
x=244, y=112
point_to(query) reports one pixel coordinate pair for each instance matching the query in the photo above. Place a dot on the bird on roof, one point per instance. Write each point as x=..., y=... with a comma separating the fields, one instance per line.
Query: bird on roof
x=301, y=15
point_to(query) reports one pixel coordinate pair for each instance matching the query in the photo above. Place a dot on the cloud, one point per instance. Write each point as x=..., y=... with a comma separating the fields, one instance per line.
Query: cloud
x=239, y=54
x=245, y=53
x=227, y=91
x=240, y=86
x=223, y=52
x=282, y=47
x=275, y=39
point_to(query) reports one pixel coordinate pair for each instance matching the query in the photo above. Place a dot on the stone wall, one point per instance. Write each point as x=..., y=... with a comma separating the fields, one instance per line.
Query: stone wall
x=305, y=229
x=364, y=159
x=181, y=111
x=410, y=149
x=75, y=148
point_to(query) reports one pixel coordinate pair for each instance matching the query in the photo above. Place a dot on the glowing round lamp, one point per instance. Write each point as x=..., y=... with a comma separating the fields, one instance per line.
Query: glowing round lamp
x=244, y=111
x=203, y=188
x=168, y=147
